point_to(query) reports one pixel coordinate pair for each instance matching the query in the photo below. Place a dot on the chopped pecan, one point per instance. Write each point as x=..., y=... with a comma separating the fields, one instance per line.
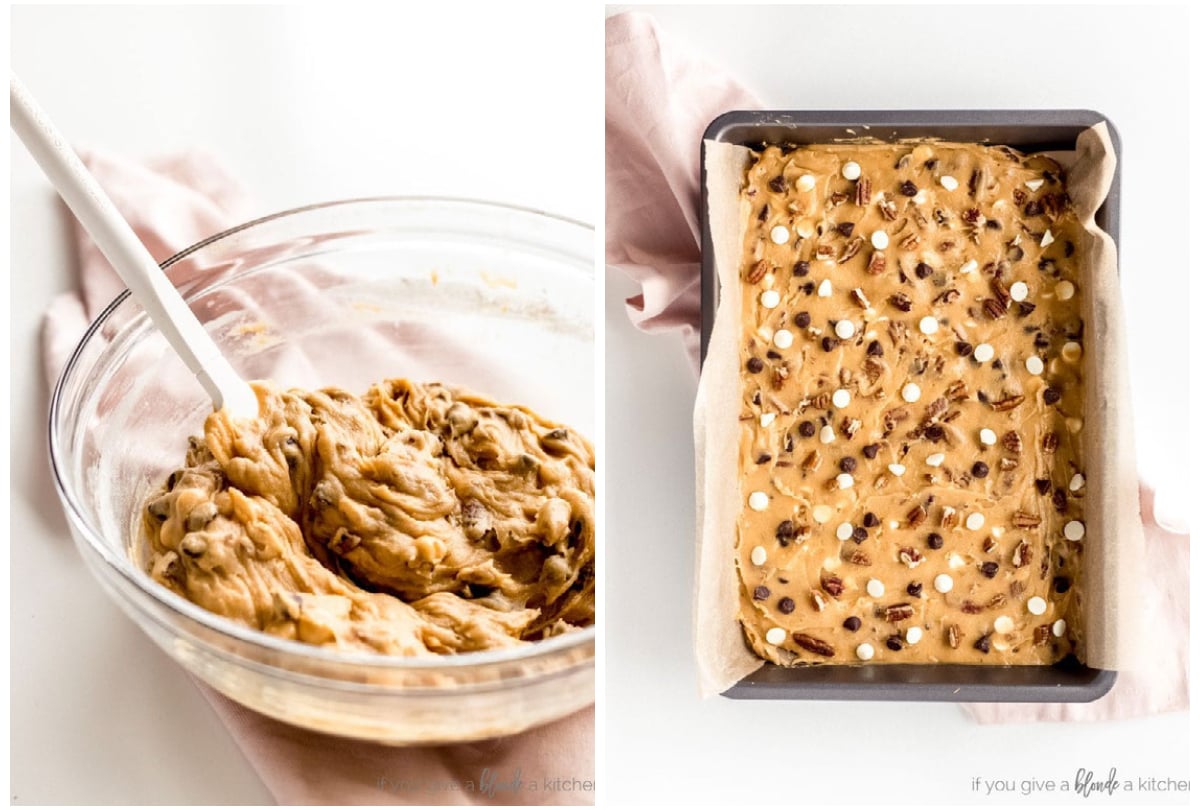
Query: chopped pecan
x=901, y=302
x=850, y=427
x=779, y=375
x=948, y=297
x=1024, y=520
x=858, y=557
x=1050, y=442
x=988, y=544
x=1023, y=554
x=873, y=369
x=910, y=556
x=909, y=241
x=813, y=644
x=1008, y=464
x=948, y=517
x=851, y=250
x=1008, y=403
x=936, y=409
x=811, y=461
x=838, y=197
x=1011, y=441
x=1041, y=635
x=993, y=308
x=998, y=600
x=893, y=417
x=818, y=601
x=860, y=298
x=878, y=263
x=998, y=290
x=898, y=613
x=970, y=607
x=825, y=250
x=953, y=636
x=887, y=207
x=821, y=401
x=897, y=332
x=832, y=585
x=862, y=191
x=957, y=391
x=916, y=516
x=1019, y=196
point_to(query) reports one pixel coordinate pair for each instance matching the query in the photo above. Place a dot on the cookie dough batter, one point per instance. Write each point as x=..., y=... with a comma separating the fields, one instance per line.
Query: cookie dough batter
x=415, y=520
x=912, y=413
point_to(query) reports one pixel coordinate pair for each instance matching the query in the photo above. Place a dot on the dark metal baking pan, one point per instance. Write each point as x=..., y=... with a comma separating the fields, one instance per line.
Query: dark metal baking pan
x=1068, y=681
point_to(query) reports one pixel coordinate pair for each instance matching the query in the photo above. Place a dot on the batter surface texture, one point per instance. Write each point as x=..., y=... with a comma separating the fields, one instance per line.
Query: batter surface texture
x=912, y=406
x=414, y=520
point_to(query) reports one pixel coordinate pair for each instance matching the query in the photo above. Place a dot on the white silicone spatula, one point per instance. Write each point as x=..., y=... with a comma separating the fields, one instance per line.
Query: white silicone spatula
x=133, y=263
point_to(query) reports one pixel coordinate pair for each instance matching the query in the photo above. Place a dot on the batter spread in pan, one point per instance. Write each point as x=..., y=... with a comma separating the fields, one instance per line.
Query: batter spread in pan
x=414, y=520
x=912, y=406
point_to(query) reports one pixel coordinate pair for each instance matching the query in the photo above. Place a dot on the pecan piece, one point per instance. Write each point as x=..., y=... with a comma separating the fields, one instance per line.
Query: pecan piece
x=1050, y=442
x=898, y=613
x=1011, y=441
x=825, y=250
x=916, y=516
x=860, y=298
x=1008, y=464
x=993, y=309
x=1001, y=294
x=862, y=191
x=850, y=427
x=957, y=391
x=887, y=207
x=832, y=585
x=901, y=302
x=813, y=644
x=811, y=461
x=1041, y=635
x=998, y=600
x=858, y=557
x=757, y=272
x=948, y=517
x=894, y=417
x=852, y=249
x=936, y=409
x=1023, y=554
x=1024, y=520
x=971, y=608
x=818, y=601
x=910, y=556
x=873, y=369
x=953, y=636
x=878, y=263
x=838, y=197
x=1008, y=403
x=909, y=241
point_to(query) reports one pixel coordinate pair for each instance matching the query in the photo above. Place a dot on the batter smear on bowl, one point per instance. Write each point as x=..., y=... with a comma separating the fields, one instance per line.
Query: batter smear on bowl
x=417, y=519
x=912, y=406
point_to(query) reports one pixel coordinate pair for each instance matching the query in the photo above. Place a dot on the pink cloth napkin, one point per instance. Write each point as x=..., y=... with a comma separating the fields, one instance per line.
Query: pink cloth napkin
x=172, y=203
x=659, y=98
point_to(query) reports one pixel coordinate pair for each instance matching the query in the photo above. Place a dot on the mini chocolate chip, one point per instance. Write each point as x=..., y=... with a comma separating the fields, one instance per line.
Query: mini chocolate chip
x=778, y=184
x=875, y=349
x=1041, y=341
x=802, y=320
x=931, y=163
x=761, y=592
x=763, y=458
x=871, y=450
x=990, y=569
x=1051, y=395
x=984, y=644
x=934, y=540
x=845, y=228
x=979, y=469
x=754, y=365
x=1043, y=485
x=828, y=343
x=785, y=532
x=870, y=520
x=1068, y=248
x=774, y=355
x=935, y=433
x=852, y=624
x=800, y=269
x=1034, y=209
x=983, y=397
x=808, y=429
x=1061, y=584
x=963, y=348
x=923, y=270
x=993, y=224
x=762, y=215
x=895, y=643
x=787, y=605
x=859, y=535
x=908, y=188
x=847, y=464
x=914, y=588
x=1059, y=499
x=809, y=288
x=1025, y=308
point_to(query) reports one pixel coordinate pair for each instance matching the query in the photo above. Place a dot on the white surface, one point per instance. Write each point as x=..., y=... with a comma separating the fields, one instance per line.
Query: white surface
x=663, y=743
x=304, y=106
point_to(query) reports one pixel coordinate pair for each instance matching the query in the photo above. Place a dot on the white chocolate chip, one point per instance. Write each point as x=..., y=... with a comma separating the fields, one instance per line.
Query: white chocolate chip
x=825, y=289
x=921, y=197
x=841, y=398
x=987, y=436
x=911, y=392
x=806, y=182
x=845, y=480
x=1036, y=605
x=1071, y=351
x=913, y=634
x=864, y=651
x=1059, y=628
x=769, y=299
x=943, y=583
x=975, y=521
x=1047, y=238
x=1034, y=185
x=879, y=240
x=1077, y=482
x=1073, y=531
x=1019, y=291
x=779, y=234
x=851, y=170
x=827, y=435
x=1003, y=625
x=956, y=560
x=1034, y=365
x=948, y=182
x=766, y=419
x=844, y=329
x=759, y=501
x=875, y=588
x=844, y=531
x=935, y=460
x=822, y=512
x=896, y=469
x=776, y=636
x=928, y=325
x=968, y=268
x=758, y=555
x=1065, y=290
x=804, y=228
x=1074, y=424
x=783, y=339
x=984, y=352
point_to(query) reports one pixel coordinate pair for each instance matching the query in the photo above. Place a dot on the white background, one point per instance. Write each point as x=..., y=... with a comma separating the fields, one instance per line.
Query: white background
x=304, y=106
x=663, y=743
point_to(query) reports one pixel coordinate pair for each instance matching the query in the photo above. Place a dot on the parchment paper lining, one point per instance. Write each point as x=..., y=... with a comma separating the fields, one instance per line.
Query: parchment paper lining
x=1114, y=541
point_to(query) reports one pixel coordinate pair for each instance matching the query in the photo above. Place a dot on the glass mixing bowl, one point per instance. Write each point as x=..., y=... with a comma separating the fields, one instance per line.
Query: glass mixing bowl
x=495, y=298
